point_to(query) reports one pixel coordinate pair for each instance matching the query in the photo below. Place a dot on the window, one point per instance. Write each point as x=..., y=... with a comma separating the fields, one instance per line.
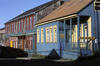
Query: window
x=19, y=25
x=55, y=33
x=38, y=33
x=29, y=42
x=30, y=22
x=51, y=34
x=8, y=28
x=62, y=2
x=33, y=22
x=26, y=42
x=15, y=45
x=42, y=35
x=24, y=23
x=27, y=23
x=47, y=34
x=14, y=26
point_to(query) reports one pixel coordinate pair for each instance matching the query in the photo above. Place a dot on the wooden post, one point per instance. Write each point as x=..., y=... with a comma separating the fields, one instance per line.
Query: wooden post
x=78, y=33
x=70, y=34
x=64, y=33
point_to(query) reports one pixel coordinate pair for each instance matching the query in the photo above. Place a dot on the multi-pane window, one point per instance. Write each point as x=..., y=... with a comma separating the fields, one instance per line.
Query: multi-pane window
x=27, y=23
x=15, y=44
x=55, y=33
x=30, y=22
x=42, y=35
x=51, y=34
x=14, y=26
x=29, y=42
x=38, y=34
x=47, y=34
x=24, y=23
x=33, y=22
x=8, y=28
x=19, y=25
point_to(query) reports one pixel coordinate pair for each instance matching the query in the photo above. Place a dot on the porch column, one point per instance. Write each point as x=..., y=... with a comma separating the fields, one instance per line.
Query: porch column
x=83, y=32
x=87, y=35
x=64, y=33
x=70, y=34
x=78, y=33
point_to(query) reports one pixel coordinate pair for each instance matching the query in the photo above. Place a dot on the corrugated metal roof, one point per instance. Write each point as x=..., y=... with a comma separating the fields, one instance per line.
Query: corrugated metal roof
x=33, y=10
x=68, y=8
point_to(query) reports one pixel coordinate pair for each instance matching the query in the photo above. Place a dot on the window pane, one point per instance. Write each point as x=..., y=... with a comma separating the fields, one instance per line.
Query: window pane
x=19, y=25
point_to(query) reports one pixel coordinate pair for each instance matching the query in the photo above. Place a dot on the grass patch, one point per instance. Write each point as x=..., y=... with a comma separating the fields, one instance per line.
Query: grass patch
x=66, y=59
x=38, y=56
x=47, y=57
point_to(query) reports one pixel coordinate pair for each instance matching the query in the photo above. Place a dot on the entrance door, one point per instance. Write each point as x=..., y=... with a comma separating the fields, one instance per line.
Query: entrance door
x=22, y=44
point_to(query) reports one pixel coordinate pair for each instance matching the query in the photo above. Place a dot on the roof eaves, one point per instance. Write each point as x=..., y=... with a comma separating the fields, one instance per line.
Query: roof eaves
x=19, y=17
x=57, y=19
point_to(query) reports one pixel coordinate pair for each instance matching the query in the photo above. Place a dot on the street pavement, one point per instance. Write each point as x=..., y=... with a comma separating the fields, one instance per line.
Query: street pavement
x=47, y=62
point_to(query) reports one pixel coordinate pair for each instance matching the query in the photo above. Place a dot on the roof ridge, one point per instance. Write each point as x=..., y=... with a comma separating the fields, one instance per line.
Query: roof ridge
x=33, y=10
x=65, y=9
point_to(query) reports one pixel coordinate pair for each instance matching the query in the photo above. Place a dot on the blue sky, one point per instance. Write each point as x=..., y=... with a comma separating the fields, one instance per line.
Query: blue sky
x=12, y=8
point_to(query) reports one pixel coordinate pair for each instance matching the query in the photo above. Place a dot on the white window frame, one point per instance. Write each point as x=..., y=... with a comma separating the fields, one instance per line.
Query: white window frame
x=47, y=35
x=42, y=35
x=38, y=35
x=51, y=34
x=55, y=33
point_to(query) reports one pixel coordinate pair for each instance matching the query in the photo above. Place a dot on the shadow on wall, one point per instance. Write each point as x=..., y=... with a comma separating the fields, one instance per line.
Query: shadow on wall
x=8, y=52
x=53, y=55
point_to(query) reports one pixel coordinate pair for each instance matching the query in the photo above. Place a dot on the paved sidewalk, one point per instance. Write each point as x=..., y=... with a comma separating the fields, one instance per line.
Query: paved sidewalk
x=90, y=62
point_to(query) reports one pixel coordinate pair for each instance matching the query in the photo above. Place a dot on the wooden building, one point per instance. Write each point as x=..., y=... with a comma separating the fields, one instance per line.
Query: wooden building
x=20, y=32
x=2, y=36
x=72, y=28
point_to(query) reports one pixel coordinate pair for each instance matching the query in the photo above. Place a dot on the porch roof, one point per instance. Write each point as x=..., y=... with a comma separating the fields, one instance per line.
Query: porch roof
x=67, y=9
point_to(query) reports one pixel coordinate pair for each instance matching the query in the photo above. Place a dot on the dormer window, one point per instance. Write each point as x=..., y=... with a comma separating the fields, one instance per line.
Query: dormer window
x=61, y=2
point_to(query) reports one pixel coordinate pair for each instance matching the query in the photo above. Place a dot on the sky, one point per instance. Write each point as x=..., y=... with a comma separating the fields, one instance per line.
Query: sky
x=12, y=8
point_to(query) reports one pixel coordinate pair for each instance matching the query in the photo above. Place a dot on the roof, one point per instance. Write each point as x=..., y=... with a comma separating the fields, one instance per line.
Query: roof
x=2, y=28
x=33, y=10
x=68, y=8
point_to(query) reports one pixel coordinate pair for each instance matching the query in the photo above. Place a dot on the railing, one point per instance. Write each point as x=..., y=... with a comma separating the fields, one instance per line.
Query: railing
x=83, y=46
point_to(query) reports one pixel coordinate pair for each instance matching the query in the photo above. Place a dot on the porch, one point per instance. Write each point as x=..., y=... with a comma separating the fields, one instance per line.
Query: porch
x=73, y=28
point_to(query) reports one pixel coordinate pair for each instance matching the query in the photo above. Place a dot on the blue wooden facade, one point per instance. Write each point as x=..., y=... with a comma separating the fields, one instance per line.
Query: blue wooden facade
x=85, y=23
